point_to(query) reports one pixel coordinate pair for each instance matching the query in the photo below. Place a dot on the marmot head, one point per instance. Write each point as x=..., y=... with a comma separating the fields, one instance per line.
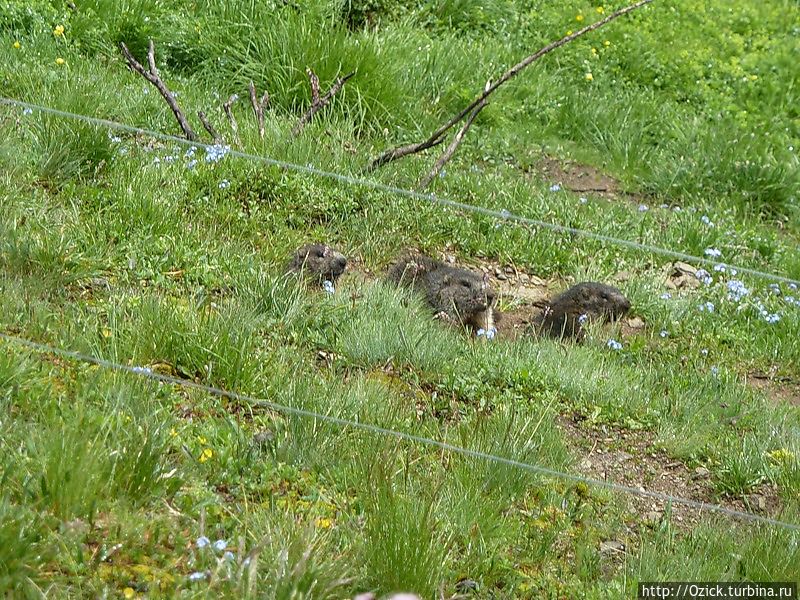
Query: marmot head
x=462, y=294
x=318, y=260
x=595, y=300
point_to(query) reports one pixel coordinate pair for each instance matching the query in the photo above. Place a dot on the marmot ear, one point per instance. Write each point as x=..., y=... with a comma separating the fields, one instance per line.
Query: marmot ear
x=326, y=251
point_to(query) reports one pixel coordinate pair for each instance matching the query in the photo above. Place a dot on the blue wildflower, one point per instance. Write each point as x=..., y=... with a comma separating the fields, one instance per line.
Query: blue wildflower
x=663, y=333
x=224, y=184
x=228, y=556
x=707, y=307
x=505, y=213
x=583, y=318
x=487, y=333
x=715, y=371
x=614, y=345
x=220, y=545
x=772, y=318
x=775, y=289
x=216, y=153
x=713, y=252
x=202, y=541
x=191, y=164
x=707, y=221
x=197, y=576
x=665, y=296
x=643, y=208
x=328, y=287
x=142, y=370
x=736, y=290
x=704, y=276
x=583, y=200
x=27, y=111
x=555, y=187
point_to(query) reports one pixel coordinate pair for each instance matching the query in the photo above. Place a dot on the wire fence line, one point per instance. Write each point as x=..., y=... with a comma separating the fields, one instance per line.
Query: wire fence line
x=401, y=435
x=502, y=215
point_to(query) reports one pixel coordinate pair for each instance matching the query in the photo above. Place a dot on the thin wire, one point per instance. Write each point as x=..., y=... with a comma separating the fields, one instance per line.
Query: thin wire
x=255, y=402
x=431, y=198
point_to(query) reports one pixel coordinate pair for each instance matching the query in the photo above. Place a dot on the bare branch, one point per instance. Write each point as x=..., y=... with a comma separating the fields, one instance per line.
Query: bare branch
x=395, y=153
x=319, y=103
x=153, y=77
x=209, y=127
x=234, y=125
x=454, y=144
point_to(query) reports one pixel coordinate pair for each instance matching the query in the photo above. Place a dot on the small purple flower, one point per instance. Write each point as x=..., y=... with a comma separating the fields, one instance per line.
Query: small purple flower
x=736, y=290
x=720, y=268
x=216, y=153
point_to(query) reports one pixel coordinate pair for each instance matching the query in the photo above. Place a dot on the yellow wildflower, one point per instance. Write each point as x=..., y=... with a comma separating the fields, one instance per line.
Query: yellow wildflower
x=17, y=44
x=201, y=439
x=58, y=31
x=600, y=10
x=753, y=77
x=589, y=77
x=324, y=523
x=606, y=43
x=579, y=18
x=781, y=456
x=61, y=61
x=128, y=592
x=594, y=51
x=172, y=432
x=207, y=453
x=569, y=32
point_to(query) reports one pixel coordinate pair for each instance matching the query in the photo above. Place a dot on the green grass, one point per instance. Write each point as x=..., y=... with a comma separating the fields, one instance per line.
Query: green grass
x=108, y=481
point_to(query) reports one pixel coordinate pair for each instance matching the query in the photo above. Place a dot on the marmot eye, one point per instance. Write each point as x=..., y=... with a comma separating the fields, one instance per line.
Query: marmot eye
x=465, y=283
x=320, y=253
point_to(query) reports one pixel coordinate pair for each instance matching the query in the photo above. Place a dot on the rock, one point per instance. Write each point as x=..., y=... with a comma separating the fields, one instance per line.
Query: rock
x=612, y=546
x=467, y=585
x=622, y=456
x=701, y=473
x=623, y=276
x=636, y=323
x=653, y=517
x=499, y=274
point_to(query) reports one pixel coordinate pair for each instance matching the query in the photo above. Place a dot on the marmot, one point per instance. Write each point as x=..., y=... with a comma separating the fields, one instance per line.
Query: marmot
x=319, y=261
x=457, y=295
x=565, y=314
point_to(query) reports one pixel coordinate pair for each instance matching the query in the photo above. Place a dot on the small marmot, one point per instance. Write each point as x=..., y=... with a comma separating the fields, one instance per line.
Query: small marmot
x=457, y=295
x=565, y=314
x=319, y=261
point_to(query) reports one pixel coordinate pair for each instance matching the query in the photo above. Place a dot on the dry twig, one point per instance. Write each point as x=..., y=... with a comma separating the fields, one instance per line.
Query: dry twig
x=451, y=149
x=318, y=103
x=209, y=127
x=151, y=75
x=435, y=138
x=234, y=125
x=258, y=107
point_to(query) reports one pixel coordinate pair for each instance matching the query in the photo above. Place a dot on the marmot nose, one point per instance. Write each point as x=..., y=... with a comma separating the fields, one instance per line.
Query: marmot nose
x=340, y=263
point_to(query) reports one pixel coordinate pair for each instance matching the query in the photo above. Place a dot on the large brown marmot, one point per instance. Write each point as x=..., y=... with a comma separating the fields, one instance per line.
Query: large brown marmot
x=457, y=295
x=565, y=314
x=318, y=261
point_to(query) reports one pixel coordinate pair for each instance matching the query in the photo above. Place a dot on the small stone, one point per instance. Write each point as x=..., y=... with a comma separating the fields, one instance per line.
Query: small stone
x=653, y=517
x=499, y=274
x=636, y=323
x=263, y=438
x=701, y=473
x=623, y=276
x=612, y=546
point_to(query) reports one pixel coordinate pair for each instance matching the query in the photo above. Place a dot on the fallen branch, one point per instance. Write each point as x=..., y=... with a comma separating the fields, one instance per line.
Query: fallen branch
x=451, y=149
x=401, y=151
x=318, y=103
x=151, y=75
x=209, y=127
x=234, y=125
x=258, y=107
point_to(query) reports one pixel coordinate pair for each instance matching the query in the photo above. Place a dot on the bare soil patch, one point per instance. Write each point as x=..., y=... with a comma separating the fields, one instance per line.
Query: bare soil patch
x=582, y=179
x=630, y=458
x=779, y=390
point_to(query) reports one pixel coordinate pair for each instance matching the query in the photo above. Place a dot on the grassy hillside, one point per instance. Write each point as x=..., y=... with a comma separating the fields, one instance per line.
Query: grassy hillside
x=155, y=255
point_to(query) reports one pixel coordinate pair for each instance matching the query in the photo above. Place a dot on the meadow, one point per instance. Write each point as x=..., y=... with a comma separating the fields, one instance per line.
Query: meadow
x=155, y=255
